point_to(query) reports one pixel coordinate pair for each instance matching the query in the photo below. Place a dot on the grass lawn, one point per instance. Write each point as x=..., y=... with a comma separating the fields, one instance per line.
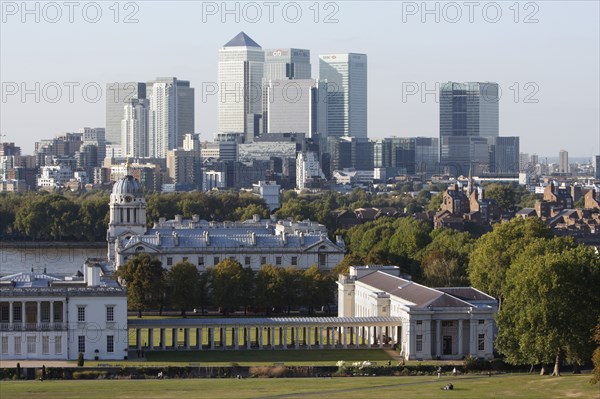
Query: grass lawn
x=500, y=386
x=321, y=357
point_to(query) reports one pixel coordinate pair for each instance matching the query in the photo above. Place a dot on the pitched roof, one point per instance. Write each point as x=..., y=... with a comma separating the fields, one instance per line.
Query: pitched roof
x=420, y=295
x=242, y=40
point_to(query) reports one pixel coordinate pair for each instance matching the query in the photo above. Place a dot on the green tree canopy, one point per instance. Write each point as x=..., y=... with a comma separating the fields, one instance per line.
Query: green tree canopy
x=183, y=281
x=551, y=304
x=495, y=251
x=144, y=277
x=227, y=284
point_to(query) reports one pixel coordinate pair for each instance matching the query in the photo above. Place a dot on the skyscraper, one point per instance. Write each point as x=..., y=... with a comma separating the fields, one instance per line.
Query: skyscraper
x=505, y=155
x=563, y=162
x=171, y=114
x=468, y=114
x=287, y=63
x=134, y=129
x=241, y=63
x=117, y=95
x=346, y=76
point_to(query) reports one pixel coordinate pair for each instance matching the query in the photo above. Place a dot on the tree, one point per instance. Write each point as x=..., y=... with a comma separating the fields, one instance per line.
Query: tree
x=435, y=202
x=410, y=238
x=495, y=251
x=504, y=195
x=596, y=354
x=144, y=277
x=445, y=260
x=183, y=280
x=226, y=281
x=551, y=304
x=247, y=212
x=292, y=287
x=318, y=288
x=269, y=288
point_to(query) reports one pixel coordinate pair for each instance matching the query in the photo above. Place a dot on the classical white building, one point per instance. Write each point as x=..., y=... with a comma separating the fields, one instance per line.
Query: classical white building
x=47, y=316
x=252, y=242
x=437, y=323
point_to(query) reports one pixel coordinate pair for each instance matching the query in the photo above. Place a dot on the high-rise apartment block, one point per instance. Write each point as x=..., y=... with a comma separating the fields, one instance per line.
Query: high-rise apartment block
x=118, y=94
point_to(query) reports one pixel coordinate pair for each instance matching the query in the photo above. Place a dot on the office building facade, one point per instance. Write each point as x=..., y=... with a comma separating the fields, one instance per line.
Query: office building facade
x=118, y=94
x=346, y=76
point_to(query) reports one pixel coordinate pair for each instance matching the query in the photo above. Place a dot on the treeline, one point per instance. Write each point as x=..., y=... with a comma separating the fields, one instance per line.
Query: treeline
x=227, y=286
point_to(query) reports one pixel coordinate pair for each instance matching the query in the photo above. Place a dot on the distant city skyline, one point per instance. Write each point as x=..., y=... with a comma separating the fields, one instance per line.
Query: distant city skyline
x=550, y=102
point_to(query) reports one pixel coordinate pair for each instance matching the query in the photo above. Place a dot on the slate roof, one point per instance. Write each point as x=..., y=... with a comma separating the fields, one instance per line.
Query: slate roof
x=419, y=295
x=242, y=40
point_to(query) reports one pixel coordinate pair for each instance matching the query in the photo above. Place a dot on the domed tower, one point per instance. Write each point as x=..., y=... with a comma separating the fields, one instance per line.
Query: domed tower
x=127, y=212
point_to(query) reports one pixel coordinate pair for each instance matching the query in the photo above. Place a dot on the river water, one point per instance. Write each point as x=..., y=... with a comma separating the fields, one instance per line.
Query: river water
x=63, y=259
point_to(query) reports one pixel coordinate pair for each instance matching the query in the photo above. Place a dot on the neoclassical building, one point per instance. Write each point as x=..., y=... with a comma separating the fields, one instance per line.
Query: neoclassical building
x=54, y=317
x=436, y=323
x=252, y=242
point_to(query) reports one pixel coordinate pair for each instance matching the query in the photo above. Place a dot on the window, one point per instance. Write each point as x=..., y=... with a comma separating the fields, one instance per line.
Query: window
x=4, y=345
x=200, y=260
x=169, y=261
x=481, y=342
x=419, y=322
x=419, y=342
x=17, y=345
x=45, y=345
x=481, y=321
x=80, y=313
x=4, y=313
x=185, y=258
x=247, y=261
x=57, y=345
x=31, y=344
x=110, y=313
x=81, y=344
x=216, y=260
x=294, y=261
x=110, y=343
x=263, y=260
x=322, y=260
x=58, y=312
x=278, y=260
x=17, y=313
x=45, y=307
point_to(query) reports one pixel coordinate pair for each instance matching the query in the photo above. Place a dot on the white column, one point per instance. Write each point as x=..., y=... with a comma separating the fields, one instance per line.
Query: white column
x=163, y=339
x=344, y=337
x=427, y=340
x=272, y=334
x=438, y=338
x=473, y=337
x=24, y=313
x=460, y=338
x=39, y=312
x=309, y=331
x=284, y=343
x=10, y=312
x=248, y=334
x=381, y=337
x=259, y=337
x=51, y=313
x=236, y=338
x=296, y=338
x=321, y=337
x=211, y=333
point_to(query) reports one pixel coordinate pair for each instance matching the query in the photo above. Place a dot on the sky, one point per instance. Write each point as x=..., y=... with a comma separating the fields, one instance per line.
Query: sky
x=56, y=59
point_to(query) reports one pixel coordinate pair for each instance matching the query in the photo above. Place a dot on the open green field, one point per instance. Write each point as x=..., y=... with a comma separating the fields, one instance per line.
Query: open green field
x=500, y=386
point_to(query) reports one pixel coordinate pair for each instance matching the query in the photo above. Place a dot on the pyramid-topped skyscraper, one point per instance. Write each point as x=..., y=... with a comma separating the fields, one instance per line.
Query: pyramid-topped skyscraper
x=241, y=62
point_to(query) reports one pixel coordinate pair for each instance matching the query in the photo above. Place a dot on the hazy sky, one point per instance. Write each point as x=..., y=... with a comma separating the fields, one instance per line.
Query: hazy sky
x=544, y=55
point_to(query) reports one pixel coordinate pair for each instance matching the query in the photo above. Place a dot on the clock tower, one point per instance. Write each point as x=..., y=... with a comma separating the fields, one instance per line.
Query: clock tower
x=127, y=213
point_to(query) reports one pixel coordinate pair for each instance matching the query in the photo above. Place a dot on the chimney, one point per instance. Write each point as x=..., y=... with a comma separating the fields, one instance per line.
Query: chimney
x=92, y=274
x=195, y=218
x=207, y=237
x=284, y=238
x=178, y=218
x=175, y=239
x=256, y=218
x=253, y=238
x=301, y=239
x=157, y=238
